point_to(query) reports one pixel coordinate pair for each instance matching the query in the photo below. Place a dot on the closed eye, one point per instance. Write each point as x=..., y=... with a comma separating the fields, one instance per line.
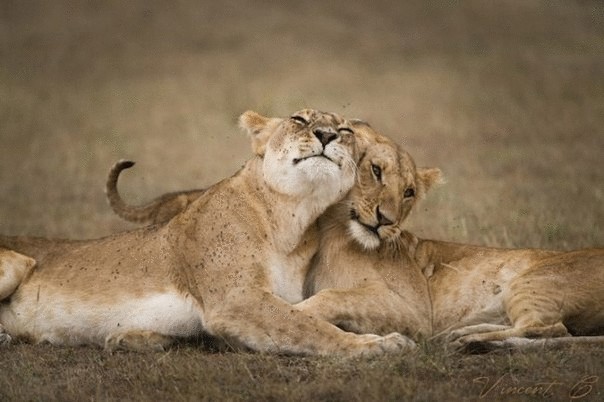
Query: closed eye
x=345, y=130
x=299, y=120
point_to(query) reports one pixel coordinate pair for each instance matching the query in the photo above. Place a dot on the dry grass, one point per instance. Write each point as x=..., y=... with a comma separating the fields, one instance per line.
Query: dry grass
x=507, y=97
x=188, y=373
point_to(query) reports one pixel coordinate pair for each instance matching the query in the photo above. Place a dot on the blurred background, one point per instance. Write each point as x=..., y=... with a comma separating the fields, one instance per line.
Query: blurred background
x=506, y=97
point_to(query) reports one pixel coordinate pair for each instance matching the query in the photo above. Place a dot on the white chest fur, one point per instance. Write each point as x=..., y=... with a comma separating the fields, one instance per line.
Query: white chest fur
x=287, y=274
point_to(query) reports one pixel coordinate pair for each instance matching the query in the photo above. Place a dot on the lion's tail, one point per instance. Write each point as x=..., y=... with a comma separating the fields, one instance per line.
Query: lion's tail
x=138, y=214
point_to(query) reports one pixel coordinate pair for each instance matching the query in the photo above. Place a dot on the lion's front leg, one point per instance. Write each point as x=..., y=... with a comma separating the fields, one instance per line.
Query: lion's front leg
x=370, y=309
x=262, y=322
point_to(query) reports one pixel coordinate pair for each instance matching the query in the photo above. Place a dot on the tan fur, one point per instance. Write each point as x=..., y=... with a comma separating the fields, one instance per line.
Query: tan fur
x=229, y=265
x=517, y=293
x=466, y=282
x=14, y=268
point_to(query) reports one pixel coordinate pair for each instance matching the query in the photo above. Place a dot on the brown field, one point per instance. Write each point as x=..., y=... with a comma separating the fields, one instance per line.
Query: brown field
x=506, y=97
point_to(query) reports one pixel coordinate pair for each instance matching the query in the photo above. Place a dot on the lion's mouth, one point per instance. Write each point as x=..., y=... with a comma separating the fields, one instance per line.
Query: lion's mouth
x=321, y=155
x=354, y=215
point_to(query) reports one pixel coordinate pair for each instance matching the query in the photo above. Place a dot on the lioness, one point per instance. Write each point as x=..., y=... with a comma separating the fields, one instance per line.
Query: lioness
x=230, y=264
x=371, y=277
x=364, y=278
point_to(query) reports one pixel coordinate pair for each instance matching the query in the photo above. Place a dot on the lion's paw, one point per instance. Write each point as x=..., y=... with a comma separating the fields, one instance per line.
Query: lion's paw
x=373, y=345
x=396, y=342
x=453, y=337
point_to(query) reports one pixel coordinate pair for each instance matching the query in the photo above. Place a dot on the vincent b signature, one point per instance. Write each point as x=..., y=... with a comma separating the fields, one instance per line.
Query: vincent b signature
x=505, y=385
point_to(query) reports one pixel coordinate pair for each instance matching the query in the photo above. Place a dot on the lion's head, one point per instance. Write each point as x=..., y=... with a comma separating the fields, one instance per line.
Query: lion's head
x=388, y=186
x=310, y=154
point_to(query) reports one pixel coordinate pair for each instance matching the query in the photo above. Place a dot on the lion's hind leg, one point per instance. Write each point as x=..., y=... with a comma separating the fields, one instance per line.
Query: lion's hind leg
x=528, y=344
x=547, y=331
x=140, y=341
x=532, y=314
x=536, y=338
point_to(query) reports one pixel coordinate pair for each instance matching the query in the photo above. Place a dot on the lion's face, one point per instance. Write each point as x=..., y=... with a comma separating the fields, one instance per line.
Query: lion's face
x=309, y=153
x=388, y=186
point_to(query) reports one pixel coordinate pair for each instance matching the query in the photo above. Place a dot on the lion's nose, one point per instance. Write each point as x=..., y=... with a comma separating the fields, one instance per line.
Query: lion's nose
x=325, y=135
x=382, y=220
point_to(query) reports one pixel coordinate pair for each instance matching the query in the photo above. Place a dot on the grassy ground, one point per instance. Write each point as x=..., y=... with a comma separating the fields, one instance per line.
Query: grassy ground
x=186, y=373
x=506, y=97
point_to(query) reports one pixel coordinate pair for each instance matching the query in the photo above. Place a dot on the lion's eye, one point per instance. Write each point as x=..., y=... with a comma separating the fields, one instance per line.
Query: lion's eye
x=377, y=171
x=345, y=130
x=300, y=120
x=409, y=193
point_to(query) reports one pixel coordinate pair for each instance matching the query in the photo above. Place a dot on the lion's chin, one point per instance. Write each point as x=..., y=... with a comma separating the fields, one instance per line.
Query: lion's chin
x=367, y=239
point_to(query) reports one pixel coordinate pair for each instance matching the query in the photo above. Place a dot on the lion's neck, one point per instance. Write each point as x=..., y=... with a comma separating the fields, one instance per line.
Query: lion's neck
x=289, y=217
x=333, y=225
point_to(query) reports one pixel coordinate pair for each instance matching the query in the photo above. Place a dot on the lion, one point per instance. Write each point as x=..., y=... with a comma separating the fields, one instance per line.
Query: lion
x=372, y=276
x=230, y=265
x=363, y=278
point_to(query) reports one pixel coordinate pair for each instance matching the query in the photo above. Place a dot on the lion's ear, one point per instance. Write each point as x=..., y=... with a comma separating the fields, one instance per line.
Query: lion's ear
x=254, y=124
x=428, y=177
